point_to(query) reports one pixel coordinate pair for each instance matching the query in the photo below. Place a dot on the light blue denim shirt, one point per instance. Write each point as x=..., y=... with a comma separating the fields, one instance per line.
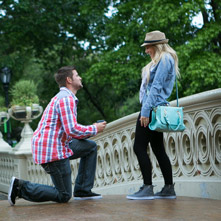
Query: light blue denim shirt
x=160, y=85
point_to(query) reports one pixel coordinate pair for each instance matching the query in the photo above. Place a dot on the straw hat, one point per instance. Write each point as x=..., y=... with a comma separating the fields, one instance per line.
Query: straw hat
x=155, y=37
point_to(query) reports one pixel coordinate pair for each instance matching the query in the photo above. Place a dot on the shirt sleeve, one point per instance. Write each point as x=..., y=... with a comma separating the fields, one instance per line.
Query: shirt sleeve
x=163, y=68
x=66, y=110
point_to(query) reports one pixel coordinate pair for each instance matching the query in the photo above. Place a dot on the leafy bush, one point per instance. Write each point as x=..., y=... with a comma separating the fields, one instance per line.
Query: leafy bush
x=2, y=104
x=24, y=93
x=131, y=105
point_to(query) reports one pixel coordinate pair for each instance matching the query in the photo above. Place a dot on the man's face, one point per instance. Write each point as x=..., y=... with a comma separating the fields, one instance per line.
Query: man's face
x=76, y=80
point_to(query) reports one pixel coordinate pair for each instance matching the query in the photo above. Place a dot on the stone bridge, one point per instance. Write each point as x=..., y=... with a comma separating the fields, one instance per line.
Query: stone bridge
x=195, y=154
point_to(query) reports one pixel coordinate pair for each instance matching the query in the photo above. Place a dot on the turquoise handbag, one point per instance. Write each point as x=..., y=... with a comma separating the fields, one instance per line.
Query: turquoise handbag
x=167, y=118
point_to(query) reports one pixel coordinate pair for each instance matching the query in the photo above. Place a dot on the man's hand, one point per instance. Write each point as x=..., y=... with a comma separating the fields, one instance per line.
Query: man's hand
x=100, y=126
x=144, y=121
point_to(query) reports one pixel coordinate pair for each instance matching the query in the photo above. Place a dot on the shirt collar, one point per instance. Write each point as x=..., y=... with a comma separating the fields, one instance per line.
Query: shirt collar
x=70, y=92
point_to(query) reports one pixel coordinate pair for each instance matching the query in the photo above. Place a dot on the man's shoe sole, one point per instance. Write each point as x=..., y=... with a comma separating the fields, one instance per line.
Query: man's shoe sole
x=88, y=198
x=10, y=191
x=141, y=198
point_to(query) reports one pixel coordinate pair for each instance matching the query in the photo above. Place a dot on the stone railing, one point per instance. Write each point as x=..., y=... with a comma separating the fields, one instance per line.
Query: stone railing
x=195, y=154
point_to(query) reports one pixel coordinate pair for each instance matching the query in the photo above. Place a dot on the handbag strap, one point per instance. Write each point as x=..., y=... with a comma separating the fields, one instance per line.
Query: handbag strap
x=177, y=102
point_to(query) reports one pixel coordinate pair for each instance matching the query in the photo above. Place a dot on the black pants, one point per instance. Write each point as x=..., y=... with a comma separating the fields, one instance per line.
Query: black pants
x=143, y=137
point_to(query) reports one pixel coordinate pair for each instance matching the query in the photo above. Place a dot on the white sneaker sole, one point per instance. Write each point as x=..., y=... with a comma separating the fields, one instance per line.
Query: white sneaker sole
x=141, y=198
x=88, y=198
x=10, y=191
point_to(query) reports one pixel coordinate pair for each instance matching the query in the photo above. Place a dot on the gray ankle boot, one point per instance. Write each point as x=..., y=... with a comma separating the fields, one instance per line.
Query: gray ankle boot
x=167, y=192
x=145, y=193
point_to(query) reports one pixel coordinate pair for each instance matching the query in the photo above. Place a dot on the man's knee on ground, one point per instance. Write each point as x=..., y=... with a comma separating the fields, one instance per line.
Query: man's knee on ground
x=64, y=197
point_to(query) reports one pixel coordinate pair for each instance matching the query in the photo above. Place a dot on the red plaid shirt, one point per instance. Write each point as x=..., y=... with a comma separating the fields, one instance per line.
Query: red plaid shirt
x=57, y=127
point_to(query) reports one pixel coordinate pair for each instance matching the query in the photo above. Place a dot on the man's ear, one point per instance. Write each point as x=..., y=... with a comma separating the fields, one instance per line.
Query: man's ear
x=68, y=80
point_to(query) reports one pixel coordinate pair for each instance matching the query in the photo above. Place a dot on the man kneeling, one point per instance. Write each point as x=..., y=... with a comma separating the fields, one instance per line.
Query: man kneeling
x=57, y=140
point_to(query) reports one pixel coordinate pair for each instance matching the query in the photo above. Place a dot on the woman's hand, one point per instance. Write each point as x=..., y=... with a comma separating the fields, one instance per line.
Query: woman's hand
x=144, y=121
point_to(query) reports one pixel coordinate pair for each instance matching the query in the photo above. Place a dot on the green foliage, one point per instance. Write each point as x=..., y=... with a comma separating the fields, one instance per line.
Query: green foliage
x=130, y=106
x=38, y=37
x=203, y=69
x=200, y=61
x=24, y=93
x=2, y=104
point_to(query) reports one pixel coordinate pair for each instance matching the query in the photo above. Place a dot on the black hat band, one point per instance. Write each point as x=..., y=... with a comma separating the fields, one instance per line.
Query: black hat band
x=154, y=41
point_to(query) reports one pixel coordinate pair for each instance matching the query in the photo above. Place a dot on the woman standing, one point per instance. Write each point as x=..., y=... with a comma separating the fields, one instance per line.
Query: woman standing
x=157, y=83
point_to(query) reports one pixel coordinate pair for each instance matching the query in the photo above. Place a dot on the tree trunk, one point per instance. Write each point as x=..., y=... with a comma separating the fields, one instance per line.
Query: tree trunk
x=93, y=101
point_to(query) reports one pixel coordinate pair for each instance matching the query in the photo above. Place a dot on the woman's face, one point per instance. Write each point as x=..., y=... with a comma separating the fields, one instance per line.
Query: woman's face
x=149, y=49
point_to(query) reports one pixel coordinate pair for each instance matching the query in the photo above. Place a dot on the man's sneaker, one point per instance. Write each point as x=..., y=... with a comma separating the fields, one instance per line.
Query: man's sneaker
x=13, y=191
x=167, y=192
x=86, y=196
x=145, y=193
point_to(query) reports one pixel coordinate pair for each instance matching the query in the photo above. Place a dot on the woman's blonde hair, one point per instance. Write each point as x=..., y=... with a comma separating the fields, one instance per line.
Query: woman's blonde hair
x=160, y=50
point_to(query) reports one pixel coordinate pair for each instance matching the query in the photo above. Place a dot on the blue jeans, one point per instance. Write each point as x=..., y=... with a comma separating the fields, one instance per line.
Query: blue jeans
x=60, y=172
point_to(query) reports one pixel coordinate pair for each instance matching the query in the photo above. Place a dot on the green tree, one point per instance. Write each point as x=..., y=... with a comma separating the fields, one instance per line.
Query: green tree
x=46, y=36
x=37, y=37
x=198, y=48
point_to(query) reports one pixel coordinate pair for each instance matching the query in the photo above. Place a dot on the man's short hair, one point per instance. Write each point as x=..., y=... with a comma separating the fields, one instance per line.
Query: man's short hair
x=62, y=74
